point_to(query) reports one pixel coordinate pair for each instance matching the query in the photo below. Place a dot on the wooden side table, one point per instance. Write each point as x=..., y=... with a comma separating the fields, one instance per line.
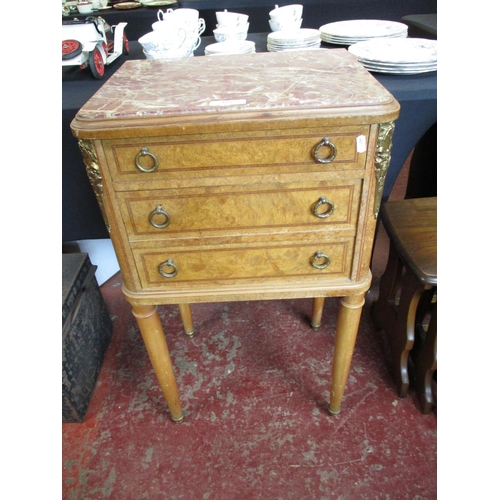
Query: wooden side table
x=408, y=293
x=247, y=177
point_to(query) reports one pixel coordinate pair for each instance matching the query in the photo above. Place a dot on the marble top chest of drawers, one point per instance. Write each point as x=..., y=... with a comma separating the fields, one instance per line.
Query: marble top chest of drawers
x=245, y=177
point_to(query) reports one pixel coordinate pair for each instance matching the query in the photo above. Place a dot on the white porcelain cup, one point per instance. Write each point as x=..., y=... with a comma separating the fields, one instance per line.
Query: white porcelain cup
x=104, y=3
x=285, y=25
x=162, y=15
x=226, y=18
x=85, y=8
x=286, y=13
x=168, y=23
x=187, y=15
x=162, y=40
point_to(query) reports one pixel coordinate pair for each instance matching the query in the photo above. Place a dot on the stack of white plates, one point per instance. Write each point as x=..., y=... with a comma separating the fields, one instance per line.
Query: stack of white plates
x=232, y=47
x=406, y=56
x=349, y=32
x=292, y=40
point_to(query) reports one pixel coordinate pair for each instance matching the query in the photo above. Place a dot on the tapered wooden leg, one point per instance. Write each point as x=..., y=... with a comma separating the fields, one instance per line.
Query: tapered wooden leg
x=187, y=320
x=347, y=331
x=156, y=345
x=317, y=313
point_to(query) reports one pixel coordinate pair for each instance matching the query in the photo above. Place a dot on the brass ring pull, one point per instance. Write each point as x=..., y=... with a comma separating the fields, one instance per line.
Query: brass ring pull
x=323, y=201
x=328, y=159
x=159, y=211
x=318, y=256
x=146, y=152
x=168, y=263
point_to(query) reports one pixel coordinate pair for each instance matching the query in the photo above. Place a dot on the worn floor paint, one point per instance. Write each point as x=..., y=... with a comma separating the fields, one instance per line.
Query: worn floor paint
x=254, y=384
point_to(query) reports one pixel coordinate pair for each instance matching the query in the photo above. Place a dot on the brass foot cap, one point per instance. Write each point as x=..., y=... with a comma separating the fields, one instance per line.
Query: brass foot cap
x=315, y=326
x=177, y=420
x=333, y=412
x=190, y=334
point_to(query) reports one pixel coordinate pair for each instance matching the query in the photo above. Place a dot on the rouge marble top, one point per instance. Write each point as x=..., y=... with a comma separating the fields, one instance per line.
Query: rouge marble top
x=262, y=82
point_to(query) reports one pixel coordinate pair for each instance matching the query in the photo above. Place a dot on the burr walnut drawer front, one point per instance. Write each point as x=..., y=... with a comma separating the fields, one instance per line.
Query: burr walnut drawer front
x=264, y=208
x=164, y=158
x=225, y=264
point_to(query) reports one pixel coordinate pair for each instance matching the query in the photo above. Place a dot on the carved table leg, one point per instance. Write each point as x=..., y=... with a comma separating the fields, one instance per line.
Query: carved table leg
x=318, y=304
x=347, y=330
x=402, y=337
x=154, y=339
x=425, y=364
x=187, y=320
x=384, y=309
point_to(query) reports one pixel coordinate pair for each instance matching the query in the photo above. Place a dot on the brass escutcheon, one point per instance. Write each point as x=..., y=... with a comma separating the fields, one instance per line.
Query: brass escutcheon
x=325, y=142
x=159, y=211
x=323, y=201
x=146, y=152
x=168, y=263
x=319, y=256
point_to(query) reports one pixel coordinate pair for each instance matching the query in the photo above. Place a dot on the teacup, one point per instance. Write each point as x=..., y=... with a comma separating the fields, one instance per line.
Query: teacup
x=161, y=40
x=84, y=7
x=168, y=55
x=226, y=18
x=225, y=33
x=285, y=25
x=286, y=13
x=187, y=15
x=161, y=15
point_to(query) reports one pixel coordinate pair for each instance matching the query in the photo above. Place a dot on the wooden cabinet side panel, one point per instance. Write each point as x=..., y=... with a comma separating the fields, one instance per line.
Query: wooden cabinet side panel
x=117, y=231
x=366, y=219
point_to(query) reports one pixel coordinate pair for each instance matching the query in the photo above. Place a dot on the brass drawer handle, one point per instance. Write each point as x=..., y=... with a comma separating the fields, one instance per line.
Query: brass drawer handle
x=328, y=159
x=168, y=263
x=159, y=211
x=146, y=152
x=323, y=201
x=319, y=256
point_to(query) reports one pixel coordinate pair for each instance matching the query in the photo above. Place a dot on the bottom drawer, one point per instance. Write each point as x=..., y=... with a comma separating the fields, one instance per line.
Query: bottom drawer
x=179, y=267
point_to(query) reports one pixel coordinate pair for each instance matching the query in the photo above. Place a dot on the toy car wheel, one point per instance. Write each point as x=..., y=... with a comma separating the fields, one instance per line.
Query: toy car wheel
x=70, y=49
x=126, y=46
x=96, y=63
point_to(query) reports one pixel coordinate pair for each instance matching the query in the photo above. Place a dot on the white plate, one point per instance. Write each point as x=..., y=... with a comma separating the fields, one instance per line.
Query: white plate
x=273, y=48
x=293, y=36
x=396, y=50
x=398, y=71
x=293, y=39
x=157, y=3
x=363, y=28
x=224, y=48
x=349, y=41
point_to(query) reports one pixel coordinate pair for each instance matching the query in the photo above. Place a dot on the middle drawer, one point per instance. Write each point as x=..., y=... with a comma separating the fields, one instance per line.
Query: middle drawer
x=160, y=214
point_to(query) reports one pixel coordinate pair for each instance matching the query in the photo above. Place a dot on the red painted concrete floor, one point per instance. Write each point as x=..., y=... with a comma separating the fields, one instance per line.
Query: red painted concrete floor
x=254, y=384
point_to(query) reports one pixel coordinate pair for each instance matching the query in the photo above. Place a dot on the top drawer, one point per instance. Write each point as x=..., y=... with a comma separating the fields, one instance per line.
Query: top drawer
x=240, y=154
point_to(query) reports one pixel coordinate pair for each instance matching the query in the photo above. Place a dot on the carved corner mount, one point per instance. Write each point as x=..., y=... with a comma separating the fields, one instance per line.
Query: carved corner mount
x=382, y=161
x=94, y=175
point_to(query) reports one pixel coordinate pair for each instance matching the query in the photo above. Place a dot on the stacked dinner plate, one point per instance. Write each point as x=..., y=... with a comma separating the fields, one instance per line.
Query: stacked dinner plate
x=358, y=30
x=232, y=47
x=294, y=39
x=407, y=56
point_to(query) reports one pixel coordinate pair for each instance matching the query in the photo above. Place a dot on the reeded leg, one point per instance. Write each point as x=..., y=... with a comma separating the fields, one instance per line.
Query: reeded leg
x=347, y=331
x=318, y=304
x=187, y=320
x=154, y=339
